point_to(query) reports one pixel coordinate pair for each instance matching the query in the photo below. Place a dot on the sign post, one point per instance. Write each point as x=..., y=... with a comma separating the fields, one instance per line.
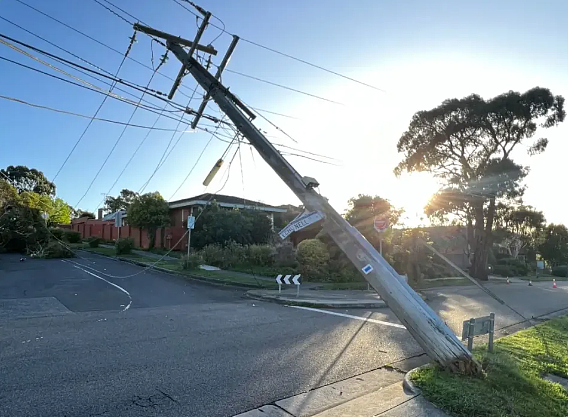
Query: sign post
x=296, y=280
x=190, y=225
x=478, y=326
x=381, y=224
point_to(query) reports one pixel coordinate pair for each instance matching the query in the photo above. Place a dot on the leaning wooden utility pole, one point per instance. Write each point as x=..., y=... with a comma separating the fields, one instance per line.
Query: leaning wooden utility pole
x=437, y=340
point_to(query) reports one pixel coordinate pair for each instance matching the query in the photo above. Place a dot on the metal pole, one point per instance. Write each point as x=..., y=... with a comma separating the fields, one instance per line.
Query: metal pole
x=491, y=331
x=470, y=334
x=297, y=291
x=381, y=246
x=188, y=241
x=437, y=340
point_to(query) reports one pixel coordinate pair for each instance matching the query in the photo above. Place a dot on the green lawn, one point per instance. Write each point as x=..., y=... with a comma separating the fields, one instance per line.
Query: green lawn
x=512, y=383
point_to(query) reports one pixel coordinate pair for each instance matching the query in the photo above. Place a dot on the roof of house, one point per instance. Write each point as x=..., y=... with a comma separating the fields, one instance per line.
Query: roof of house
x=225, y=201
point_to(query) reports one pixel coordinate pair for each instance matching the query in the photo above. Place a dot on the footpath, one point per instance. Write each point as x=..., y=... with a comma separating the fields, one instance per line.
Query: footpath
x=377, y=393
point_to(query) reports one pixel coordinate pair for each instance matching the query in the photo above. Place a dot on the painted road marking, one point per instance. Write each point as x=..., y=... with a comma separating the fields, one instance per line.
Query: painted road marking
x=349, y=316
x=108, y=282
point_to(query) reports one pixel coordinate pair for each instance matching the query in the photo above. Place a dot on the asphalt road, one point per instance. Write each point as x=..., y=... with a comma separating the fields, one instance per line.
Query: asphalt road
x=97, y=337
x=69, y=348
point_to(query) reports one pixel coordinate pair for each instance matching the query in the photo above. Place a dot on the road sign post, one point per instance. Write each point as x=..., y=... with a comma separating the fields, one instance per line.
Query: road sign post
x=190, y=225
x=381, y=224
x=479, y=326
x=296, y=280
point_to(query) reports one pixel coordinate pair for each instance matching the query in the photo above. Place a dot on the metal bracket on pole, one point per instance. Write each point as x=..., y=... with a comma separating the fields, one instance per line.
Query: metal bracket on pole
x=175, y=39
x=220, y=69
x=185, y=63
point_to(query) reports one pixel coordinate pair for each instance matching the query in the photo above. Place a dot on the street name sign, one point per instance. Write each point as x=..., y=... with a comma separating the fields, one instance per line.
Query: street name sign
x=303, y=220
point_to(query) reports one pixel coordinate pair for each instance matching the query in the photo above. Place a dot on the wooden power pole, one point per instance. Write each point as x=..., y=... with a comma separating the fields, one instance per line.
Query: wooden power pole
x=437, y=340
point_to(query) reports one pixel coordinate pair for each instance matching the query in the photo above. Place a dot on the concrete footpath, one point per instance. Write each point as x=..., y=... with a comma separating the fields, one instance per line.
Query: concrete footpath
x=321, y=298
x=376, y=393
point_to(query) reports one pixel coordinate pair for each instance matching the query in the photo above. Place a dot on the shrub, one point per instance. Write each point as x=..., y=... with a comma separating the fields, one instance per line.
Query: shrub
x=212, y=255
x=560, y=271
x=124, y=245
x=500, y=256
x=192, y=261
x=56, y=249
x=261, y=255
x=234, y=254
x=94, y=241
x=57, y=232
x=285, y=255
x=71, y=236
x=518, y=267
x=313, y=259
x=504, y=270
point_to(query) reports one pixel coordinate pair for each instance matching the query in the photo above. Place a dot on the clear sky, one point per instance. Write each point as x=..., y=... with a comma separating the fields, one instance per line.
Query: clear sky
x=418, y=52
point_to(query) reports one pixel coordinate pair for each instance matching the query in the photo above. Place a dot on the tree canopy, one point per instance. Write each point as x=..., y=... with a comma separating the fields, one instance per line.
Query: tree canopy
x=554, y=247
x=468, y=143
x=120, y=202
x=217, y=225
x=30, y=180
x=149, y=211
x=362, y=211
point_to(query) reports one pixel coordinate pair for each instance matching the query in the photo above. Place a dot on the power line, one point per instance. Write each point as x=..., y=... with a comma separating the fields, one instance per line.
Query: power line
x=132, y=157
x=273, y=125
x=95, y=89
x=98, y=109
x=145, y=90
x=303, y=61
x=285, y=87
x=17, y=100
x=193, y=167
x=116, y=143
x=93, y=39
x=160, y=163
x=88, y=85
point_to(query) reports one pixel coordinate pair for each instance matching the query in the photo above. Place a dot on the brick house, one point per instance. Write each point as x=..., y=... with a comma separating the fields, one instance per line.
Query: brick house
x=180, y=210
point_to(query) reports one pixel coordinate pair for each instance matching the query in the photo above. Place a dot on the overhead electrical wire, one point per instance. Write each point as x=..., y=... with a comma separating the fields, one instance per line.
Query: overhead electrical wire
x=132, y=157
x=88, y=85
x=132, y=40
x=285, y=87
x=118, y=140
x=94, y=40
x=303, y=61
x=17, y=100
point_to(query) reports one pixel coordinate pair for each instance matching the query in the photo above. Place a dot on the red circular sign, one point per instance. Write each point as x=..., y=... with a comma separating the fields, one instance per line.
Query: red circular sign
x=381, y=224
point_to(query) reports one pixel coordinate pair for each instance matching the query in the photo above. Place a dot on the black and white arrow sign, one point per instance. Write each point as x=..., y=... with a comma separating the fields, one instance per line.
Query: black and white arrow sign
x=296, y=279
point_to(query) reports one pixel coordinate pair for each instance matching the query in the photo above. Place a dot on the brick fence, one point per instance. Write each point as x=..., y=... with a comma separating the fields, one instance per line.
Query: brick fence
x=166, y=237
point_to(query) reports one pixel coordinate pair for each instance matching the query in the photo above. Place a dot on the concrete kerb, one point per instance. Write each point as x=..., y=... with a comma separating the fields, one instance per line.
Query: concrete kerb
x=313, y=302
x=409, y=386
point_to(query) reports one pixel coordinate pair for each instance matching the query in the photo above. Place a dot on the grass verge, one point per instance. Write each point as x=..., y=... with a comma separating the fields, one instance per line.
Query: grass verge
x=512, y=384
x=219, y=277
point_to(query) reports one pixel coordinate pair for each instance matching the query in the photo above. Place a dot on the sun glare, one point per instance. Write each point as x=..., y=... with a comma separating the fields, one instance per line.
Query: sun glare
x=412, y=192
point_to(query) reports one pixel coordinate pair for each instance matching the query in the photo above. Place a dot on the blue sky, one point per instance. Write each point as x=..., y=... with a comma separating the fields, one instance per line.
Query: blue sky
x=419, y=52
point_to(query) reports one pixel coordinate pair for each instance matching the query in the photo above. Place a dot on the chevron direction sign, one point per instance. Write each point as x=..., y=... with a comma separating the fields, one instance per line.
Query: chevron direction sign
x=289, y=280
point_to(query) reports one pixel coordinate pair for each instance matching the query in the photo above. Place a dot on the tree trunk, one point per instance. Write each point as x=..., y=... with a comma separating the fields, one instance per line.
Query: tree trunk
x=479, y=264
x=483, y=240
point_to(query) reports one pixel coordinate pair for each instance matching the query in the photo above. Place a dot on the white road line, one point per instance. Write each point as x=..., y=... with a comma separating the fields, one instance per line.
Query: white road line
x=349, y=316
x=108, y=282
